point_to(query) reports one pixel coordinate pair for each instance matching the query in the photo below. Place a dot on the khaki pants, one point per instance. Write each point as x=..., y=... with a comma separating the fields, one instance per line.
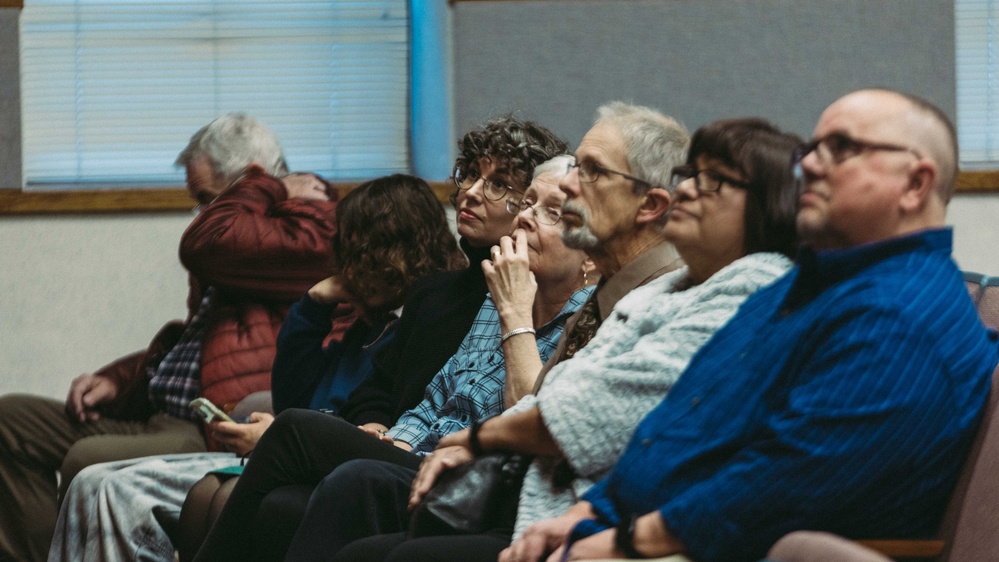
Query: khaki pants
x=38, y=441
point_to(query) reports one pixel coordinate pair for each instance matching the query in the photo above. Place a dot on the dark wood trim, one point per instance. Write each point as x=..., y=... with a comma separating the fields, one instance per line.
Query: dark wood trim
x=906, y=549
x=168, y=200
x=11, y=4
x=978, y=181
x=16, y=202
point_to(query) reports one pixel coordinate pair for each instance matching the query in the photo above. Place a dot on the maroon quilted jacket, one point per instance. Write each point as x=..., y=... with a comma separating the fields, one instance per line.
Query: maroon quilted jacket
x=261, y=251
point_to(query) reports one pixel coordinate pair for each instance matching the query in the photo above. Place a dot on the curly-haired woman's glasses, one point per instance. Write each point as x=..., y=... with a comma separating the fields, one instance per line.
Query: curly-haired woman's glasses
x=493, y=189
x=544, y=215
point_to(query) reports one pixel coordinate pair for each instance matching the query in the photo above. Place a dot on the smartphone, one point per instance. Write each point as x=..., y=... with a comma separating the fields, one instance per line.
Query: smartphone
x=208, y=411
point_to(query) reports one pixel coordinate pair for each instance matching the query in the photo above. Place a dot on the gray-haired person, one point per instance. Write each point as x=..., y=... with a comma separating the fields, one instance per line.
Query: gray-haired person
x=259, y=243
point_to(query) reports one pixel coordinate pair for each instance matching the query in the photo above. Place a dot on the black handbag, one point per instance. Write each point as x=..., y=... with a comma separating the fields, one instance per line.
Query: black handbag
x=472, y=498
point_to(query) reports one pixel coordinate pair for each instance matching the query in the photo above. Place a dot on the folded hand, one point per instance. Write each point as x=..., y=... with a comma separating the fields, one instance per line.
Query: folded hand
x=443, y=458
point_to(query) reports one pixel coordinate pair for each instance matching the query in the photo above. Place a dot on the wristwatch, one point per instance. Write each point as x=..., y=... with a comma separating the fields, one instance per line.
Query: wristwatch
x=624, y=537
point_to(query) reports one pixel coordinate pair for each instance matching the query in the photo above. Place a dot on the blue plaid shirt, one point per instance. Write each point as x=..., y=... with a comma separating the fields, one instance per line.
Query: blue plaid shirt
x=843, y=398
x=177, y=379
x=470, y=385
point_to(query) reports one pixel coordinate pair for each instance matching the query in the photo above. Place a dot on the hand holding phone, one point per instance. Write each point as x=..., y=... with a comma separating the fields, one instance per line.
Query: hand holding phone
x=241, y=438
x=207, y=411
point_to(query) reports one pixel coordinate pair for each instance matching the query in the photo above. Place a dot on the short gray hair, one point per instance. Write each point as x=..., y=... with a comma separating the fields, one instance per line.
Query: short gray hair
x=557, y=166
x=233, y=142
x=655, y=143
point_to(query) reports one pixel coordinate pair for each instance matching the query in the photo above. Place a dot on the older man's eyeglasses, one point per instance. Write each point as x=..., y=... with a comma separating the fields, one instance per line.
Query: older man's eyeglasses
x=838, y=147
x=542, y=214
x=493, y=189
x=590, y=172
x=705, y=181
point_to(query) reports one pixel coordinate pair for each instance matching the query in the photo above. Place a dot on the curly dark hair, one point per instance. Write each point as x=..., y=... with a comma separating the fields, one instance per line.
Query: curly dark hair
x=762, y=154
x=391, y=231
x=522, y=145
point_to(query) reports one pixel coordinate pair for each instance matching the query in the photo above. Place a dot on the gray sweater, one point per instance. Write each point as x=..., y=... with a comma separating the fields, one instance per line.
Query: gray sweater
x=592, y=403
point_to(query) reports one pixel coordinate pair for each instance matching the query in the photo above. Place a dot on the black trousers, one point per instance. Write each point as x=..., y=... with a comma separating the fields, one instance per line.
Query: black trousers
x=455, y=548
x=358, y=513
x=299, y=449
x=359, y=499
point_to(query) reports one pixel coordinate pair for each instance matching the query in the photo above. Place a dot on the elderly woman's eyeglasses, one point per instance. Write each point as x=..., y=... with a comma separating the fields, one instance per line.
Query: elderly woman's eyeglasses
x=544, y=215
x=706, y=181
x=590, y=172
x=493, y=189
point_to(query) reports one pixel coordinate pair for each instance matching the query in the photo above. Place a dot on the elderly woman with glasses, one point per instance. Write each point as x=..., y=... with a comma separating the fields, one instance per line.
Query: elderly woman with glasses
x=732, y=220
x=532, y=263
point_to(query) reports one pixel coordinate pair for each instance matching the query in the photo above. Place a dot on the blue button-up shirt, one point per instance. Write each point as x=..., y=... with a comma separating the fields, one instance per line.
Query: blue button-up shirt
x=470, y=385
x=844, y=398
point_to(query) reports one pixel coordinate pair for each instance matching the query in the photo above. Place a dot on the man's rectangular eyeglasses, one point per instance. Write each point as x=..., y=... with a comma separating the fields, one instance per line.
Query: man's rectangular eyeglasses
x=705, y=181
x=544, y=215
x=494, y=190
x=590, y=172
x=838, y=147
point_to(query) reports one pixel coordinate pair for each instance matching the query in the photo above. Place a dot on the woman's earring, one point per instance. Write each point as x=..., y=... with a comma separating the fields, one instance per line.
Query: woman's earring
x=586, y=277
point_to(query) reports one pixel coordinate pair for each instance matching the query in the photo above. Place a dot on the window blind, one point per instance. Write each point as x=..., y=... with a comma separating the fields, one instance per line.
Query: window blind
x=977, y=81
x=113, y=89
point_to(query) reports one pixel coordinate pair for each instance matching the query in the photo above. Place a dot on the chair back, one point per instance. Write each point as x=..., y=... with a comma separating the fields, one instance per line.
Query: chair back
x=259, y=401
x=984, y=292
x=817, y=546
x=970, y=527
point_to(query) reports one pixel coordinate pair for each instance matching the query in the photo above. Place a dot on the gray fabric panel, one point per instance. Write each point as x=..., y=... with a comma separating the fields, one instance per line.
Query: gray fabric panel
x=10, y=98
x=698, y=60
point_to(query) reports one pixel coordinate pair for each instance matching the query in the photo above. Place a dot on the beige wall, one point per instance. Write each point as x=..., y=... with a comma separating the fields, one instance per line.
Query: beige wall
x=77, y=292
x=976, y=232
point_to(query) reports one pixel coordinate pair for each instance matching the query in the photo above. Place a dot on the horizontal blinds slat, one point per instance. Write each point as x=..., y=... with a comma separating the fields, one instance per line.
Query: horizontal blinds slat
x=114, y=89
x=977, y=87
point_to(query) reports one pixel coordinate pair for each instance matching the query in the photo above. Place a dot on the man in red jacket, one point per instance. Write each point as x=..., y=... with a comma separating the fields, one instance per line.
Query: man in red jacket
x=259, y=243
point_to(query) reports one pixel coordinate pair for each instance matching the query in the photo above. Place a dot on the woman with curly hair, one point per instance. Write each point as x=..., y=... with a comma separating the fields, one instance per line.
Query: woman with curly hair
x=388, y=236
x=390, y=233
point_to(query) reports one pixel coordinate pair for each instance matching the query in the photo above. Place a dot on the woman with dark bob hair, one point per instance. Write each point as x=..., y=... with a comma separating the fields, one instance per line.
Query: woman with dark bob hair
x=732, y=221
x=755, y=150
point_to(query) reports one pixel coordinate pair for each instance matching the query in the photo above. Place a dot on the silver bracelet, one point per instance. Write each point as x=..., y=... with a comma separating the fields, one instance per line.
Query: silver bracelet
x=515, y=332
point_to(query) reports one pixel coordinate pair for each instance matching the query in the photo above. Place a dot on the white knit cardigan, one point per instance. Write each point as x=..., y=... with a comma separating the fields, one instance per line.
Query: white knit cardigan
x=592, y=403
